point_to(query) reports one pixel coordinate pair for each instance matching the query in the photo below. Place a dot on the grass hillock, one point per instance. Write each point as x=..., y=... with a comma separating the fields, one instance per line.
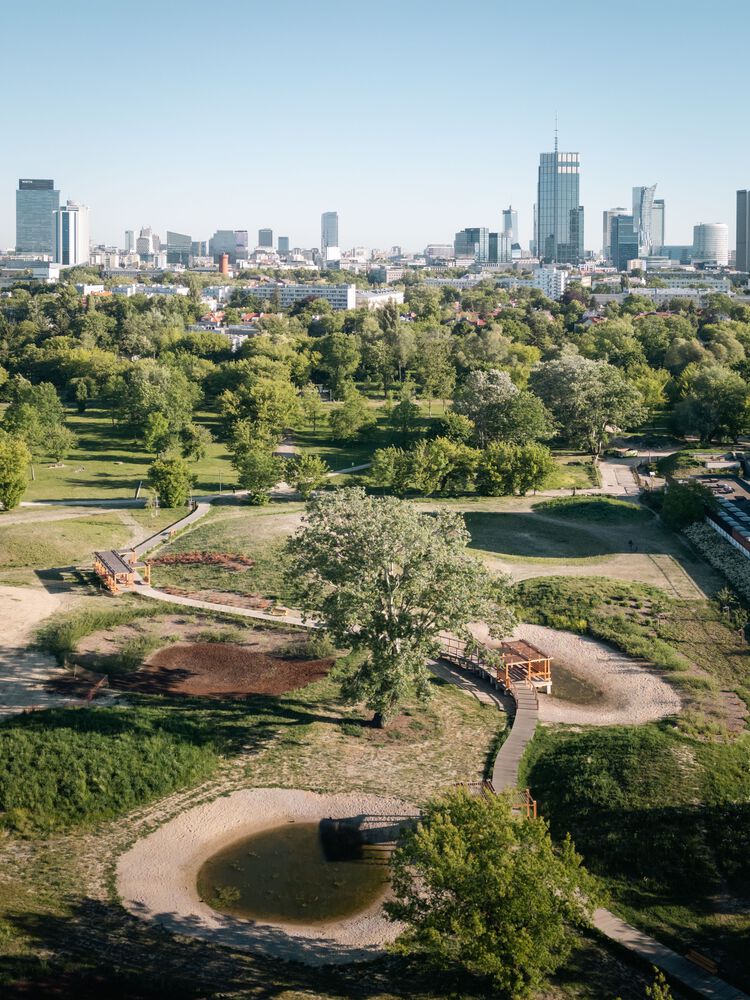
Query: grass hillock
x=592, y=508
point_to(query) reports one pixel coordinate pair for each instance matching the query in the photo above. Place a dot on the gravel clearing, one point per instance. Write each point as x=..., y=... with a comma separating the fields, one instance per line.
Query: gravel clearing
x=633, y=692
x=156, y=878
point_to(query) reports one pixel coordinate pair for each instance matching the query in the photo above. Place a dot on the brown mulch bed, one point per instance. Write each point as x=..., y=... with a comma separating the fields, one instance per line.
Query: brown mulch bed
x=223, y=559
x=254, y=601
x=220, y=670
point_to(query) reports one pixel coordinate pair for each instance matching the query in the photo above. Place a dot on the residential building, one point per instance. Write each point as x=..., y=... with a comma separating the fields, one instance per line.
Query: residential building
x=559, y=214
x=510, y=223
x=339, y=296
x=265, y=237
x=742, y=257
x=473, y=243
x=282, y=245
x=378, y=299
x=624, y=241
x=36, y=202
x=179, y=248
x=657, y=226
x=711, y=243
x=386, y=274
x=607, y=217
x=329, y=232
x=72, y=234
x=643, y=209
x=552, y=281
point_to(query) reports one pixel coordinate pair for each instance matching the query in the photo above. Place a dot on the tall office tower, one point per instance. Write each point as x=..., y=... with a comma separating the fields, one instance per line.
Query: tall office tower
x=179, y=248
x=607, y=217
x=742, y=257
x=623, y=241
x=223, y=241
x=473, y=243
x=265, y=238
x=510, y=223
x=72, y=234
x=36, y=202
x=499, y=248
x=329, y=231
x=282, y=245
x=147, y=242
x=657, y=226
x=643, y=210
x=711, y=243
x=130, y=240
x=559, y=218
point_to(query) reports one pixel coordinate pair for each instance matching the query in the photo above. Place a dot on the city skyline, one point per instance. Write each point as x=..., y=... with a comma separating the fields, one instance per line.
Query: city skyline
x=288, y=160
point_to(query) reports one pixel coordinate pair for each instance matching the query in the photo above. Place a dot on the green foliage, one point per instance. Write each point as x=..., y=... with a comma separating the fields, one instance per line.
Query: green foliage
x=505, y=469
x=384, y=580
x=592, y=508
x=258, y=471
x=65, y=768
x=679, y=463
x=480, y=889
x=500, y=411
x=61, y=635
x=352, y=418
x=307, y=473
x=171, y=480
x=685, y=503
x=434, y=466
x=715, y=405
x=14, y=462
x=36, y=415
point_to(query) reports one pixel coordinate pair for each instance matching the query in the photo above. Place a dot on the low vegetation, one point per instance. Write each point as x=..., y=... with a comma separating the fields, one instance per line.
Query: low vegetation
x=592, y=508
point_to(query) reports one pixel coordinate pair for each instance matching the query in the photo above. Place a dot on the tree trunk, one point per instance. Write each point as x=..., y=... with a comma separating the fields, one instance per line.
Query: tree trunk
x=379, y=720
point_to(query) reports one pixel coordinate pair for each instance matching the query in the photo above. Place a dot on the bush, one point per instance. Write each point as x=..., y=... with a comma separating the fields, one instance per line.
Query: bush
x=722, y=556
x=684, y=504
x=61, y=635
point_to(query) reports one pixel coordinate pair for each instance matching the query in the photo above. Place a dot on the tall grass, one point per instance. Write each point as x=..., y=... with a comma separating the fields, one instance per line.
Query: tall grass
x=61, y=635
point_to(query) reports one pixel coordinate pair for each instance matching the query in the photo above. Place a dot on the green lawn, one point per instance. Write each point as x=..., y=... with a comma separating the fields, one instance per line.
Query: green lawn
x=593, y=508
x=572, y=471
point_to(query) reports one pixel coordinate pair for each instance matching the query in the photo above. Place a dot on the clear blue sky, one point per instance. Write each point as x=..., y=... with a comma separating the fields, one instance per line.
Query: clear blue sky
x=411, y=118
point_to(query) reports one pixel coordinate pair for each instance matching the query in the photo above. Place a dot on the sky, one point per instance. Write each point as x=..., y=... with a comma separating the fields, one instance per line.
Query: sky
x=411, y=118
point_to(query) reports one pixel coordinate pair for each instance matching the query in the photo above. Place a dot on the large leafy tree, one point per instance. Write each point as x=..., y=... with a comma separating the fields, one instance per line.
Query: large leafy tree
x=384, y=580
x=14, y=462
x=352, y=418
x=481, y=889
x=171, y=480
x=500, y=410
x=587, y=398
x=715, y=404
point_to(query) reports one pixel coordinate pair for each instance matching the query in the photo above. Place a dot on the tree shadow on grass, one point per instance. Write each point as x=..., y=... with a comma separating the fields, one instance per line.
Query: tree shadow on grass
x=527, y=534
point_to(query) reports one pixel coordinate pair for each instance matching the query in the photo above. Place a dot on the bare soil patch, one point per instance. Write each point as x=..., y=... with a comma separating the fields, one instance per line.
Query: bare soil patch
x=221, y=670
x=254, y=601
x=223, y=559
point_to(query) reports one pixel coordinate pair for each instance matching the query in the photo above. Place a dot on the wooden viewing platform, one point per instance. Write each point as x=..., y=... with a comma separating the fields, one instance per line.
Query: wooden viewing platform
x=512, y=662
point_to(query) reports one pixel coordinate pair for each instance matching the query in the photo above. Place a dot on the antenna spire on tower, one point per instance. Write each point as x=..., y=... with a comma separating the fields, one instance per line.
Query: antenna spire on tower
x=555, y=131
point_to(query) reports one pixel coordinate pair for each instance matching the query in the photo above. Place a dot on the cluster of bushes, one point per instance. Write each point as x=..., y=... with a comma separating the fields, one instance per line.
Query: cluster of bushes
x=68, y=767
x=451, y=467
x=722, y=556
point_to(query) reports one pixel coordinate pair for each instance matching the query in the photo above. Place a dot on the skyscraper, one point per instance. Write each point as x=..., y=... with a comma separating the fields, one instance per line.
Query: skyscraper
x=72, y=234
x=643, y=218
x=623, y=241
x=473, y=243
x=742, y=260
x=130, y=240
x=282, y=245
x=329, y=231
x=36, y=202
x=179, y=248
x=510, y=223
x=559, y=214
x=607, y=217
x=711, y=243
x=265, y=238
x=499, y=248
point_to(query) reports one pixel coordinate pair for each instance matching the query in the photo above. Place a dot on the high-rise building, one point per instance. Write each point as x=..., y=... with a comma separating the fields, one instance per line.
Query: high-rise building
x=223, y=241
x=329, y=231
x=559, y=214
x=147, y=243
x=711, y=243
x=179, y=248
x=282, y=245
x=265, y=238
x=473, y=243
x=129, y=241
x=657, y=226
x=36, y=202
x=643, y=209
x=607, y=217
x=499, y=248
x=742, y=257
x=72, y=234
x=510, y=223
x=623, y=241
x=241, y=244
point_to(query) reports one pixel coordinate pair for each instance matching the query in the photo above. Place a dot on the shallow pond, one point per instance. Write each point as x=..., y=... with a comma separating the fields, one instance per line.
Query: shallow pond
x=569, y=686
x=284, y=875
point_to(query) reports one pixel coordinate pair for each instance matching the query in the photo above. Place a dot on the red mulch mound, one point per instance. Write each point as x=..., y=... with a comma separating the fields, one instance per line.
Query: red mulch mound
x=220, y=670
x=223, y=559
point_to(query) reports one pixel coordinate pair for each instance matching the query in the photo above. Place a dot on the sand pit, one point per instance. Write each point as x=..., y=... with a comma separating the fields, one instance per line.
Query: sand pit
x=220, y=670
x=156, y=878
x=629, y=692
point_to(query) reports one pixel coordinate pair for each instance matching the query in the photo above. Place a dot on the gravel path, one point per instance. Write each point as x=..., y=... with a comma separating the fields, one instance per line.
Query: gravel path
x=632, y=691
x=156, y=878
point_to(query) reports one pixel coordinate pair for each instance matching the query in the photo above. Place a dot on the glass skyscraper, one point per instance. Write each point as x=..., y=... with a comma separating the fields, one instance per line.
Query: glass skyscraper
x=473, y=243
x=36, y=204
x=742, y=259
x=329, y=231
x=623, y=241
x=559, y=215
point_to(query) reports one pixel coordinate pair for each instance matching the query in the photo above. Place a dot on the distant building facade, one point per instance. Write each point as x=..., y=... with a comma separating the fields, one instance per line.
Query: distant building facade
x=283, y=245
x=624, y=241
x=643, y=211
x=711, y=243
x=474, y=242
x=559, y=214
x=607, y=217
x=552, y=281
x=510, y=223
x=329, y=232
x=37, y=200
x=265, y=238
x=72, y=234
x=179, y=248
x=742, y=257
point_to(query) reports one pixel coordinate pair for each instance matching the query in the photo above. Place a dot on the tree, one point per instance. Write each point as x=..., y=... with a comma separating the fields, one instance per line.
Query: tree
x=384, y=580
x=340, y=358
x=505, y=469
x=15, y=458
x=195, y=440
x=258, y=470
x=405, y=415
x=481, y=889
x=306, y=473
x=500, y=410
x=313, y=406
x=715, y=405
x=34, y=414
x=587, y=399
x=59, y=443
x=171, y=480
x=352, y=418
x=686, y=503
